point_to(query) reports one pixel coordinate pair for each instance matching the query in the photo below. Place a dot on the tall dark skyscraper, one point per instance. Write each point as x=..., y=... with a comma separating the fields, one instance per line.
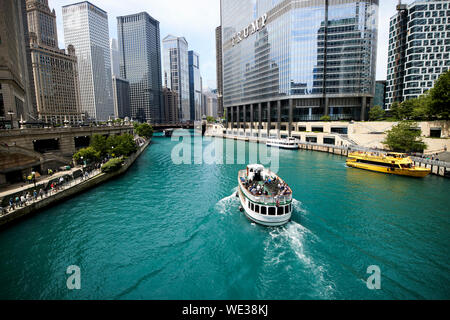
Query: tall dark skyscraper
x=195, y=86
x=219, y=71
x=140, y=64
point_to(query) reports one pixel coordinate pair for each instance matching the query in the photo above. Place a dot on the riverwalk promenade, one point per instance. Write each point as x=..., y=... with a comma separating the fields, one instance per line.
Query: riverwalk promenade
x=62, y=190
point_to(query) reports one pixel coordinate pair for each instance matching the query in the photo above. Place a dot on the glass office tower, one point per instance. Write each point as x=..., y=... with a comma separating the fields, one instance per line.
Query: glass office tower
x=140, y=64
x=195, y=86
x=86, y=28
x=176, y=72
x=419, y=49
x=291, y=61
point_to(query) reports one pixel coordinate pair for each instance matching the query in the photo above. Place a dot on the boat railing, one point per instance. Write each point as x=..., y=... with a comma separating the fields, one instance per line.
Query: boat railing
x=431, y=162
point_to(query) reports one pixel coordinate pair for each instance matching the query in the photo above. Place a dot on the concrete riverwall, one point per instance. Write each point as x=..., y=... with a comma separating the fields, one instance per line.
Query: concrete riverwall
x=70, y=191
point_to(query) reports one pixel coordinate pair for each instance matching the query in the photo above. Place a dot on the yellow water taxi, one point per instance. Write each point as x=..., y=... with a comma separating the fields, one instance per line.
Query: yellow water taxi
x=392, y=163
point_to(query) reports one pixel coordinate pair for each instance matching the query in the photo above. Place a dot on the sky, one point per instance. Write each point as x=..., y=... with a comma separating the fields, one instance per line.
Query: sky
x=196, y=20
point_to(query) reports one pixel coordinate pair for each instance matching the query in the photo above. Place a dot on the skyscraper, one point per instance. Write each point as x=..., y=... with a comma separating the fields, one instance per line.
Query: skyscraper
x=122, y=105
x=176, y=72
x=140, y=64
x=195, y=86
x=114, y=51
x=210, y=103
x=170, y=106
x=55, y=73
x=15, y=97
x=86, y=28
x=419, y=49
x=219, y=71
x=290, y=61
x=380, y=94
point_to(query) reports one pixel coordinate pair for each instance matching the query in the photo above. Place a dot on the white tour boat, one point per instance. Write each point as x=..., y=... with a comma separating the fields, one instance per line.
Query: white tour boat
x=287, y=143
x=265, y=198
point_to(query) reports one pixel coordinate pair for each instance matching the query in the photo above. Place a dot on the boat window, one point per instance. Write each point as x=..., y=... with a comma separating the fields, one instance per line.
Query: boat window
x=252, y=207
x=271, y=211
x=256, y=208
x=280, y=211
x=263, y=210
x=249, y=204
x=287, y=209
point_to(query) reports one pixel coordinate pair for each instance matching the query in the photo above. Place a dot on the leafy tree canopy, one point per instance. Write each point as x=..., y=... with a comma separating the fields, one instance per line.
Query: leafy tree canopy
x=88, y=154
x=144, y=130
x=98, y=142
x=122, y=145
x=376, y=113
x=405, y=138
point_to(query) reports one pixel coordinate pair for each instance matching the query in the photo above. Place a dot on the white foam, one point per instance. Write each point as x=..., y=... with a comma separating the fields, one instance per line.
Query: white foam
x=294, y=236
x=228, y=204
x=297, y=205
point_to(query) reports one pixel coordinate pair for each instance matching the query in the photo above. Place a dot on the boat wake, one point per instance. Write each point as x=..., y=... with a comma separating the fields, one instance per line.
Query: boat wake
x=228, y=205
x=294, y=236
x=297, y=205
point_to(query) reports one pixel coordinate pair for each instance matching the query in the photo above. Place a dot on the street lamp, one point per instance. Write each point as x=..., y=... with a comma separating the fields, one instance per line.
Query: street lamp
x=11, y=115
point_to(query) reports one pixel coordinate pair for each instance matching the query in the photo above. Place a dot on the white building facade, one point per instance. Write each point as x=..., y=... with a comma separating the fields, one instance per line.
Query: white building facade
x=176, y=72
x=419, y=48
x=86, y=28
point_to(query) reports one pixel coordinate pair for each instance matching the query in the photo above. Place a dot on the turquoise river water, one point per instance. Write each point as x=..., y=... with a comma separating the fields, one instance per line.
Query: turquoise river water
x=169, y=231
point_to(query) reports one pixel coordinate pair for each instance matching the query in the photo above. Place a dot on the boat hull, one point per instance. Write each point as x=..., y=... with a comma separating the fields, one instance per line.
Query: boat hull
x=293, y=147
x=265, y=220
x=417, y=173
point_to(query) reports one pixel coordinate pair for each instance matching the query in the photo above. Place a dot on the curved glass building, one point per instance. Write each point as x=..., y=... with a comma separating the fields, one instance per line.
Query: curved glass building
x=286, y=61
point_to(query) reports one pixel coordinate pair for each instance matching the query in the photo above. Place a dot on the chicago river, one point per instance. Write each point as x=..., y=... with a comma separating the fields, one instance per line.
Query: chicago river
x=167, y=231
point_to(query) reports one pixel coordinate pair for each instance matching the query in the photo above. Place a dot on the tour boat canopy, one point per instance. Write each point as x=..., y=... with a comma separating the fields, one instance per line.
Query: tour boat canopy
x=255, y=167
x=255, y=172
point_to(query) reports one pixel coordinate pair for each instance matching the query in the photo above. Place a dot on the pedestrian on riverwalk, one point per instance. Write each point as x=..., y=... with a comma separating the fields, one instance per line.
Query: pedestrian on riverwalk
x=41, y=193
x=28, y=197
x=23, y=201
x=11, y=204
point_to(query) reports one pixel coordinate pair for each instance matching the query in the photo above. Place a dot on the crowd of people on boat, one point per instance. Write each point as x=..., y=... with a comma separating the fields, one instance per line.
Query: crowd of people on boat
x=270, y=186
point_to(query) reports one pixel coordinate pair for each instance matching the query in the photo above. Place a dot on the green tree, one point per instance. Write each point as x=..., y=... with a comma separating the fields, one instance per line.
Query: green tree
x=88, y=154
x=98, y=142
x=122, y=145
x=395, y=112
x=440, y=97
x=112, y=165
x=376, y=113
x=144, y=130
x=421, y=109
x=406, y=109
x=405, y=138
x=325, y=118
x=210, y=119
